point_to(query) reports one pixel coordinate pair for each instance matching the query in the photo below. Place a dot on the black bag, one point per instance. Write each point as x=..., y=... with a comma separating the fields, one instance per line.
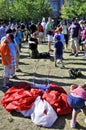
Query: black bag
x=44, y=55
x=74, y=73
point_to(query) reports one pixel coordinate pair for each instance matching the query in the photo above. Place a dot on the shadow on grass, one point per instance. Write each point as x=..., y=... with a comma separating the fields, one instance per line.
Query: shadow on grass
x=59, y=123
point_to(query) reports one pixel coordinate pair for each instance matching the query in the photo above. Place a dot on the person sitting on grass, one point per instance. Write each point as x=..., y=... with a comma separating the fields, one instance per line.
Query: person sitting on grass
x=77, y=98
x=58, y=51
x=33, y=44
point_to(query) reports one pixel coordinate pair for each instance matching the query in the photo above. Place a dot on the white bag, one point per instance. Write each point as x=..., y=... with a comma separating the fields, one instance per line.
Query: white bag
x=27, y=113
x=43, y=114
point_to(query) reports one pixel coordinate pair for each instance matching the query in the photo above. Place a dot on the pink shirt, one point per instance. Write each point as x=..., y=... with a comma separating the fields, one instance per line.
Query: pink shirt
x=84, y=34
x=80, y=92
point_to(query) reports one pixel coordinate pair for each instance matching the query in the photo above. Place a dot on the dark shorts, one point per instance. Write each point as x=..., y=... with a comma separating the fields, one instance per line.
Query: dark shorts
x=76, y=102
x=58, y=57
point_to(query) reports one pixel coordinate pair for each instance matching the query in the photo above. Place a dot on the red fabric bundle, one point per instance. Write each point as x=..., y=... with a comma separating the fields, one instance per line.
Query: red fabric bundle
x=57, y=98
x=57, y=88
x=20, y=97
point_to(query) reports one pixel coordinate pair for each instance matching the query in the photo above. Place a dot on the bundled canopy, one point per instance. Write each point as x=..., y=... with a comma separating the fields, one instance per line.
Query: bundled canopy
x=22, y=96
x=57, y=98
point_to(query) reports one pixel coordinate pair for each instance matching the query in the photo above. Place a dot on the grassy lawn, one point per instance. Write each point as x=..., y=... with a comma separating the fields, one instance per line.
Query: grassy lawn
x=56, y=75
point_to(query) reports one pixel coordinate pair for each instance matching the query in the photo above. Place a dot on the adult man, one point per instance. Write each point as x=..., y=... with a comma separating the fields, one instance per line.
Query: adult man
x=74, y=36
x=49, y=28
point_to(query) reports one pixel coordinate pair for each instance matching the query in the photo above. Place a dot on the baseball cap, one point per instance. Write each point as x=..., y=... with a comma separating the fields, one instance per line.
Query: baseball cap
x=57, y=37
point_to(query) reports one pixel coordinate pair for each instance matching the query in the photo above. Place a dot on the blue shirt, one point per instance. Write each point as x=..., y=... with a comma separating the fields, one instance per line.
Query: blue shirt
x=18, y=37
x=12, y=49
x=2, y=32
x=59, y=47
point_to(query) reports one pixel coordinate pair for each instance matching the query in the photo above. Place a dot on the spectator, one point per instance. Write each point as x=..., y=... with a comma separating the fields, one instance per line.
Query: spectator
x=58, y=51
x=43, y=23
x=65, y=32
x=77, y=98
x=40, y=32
x=2, y=30
x=12, y=46
x=49, y=28
x=17, y=51
x=18, y=37
x=84, y=38
x=59, y=32
x=32, y=28
x=74, y=29
x=33, y=46
x=6, y=61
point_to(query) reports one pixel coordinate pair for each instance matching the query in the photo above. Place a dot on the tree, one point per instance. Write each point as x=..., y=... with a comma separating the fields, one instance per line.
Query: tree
x=74, y=8
x=24, y=9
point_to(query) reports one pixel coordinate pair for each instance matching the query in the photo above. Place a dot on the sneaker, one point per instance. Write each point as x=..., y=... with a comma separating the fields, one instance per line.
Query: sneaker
x=62, y=67
x=14, y=77
x=71, y=54
x=51, y=50
x=76, y=54
x=18, y=70
x=72, y=124
x=85, y=55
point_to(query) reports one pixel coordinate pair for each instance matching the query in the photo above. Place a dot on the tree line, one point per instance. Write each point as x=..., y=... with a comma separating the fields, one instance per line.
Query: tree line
x=25, y=10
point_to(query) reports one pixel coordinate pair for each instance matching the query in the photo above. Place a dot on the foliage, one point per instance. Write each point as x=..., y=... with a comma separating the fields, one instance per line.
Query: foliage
x=24, y=10
x=75, y=8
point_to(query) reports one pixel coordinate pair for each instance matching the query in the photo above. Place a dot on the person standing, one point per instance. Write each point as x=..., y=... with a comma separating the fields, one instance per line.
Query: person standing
x=43, y=23
x=2, y=30
x=40, y=32
x=32, y=28
x=17, y=50
x=65, y=32
x=83, y=38
x=58, y=51
x=74, y=29
x=6, y=61
x=49, y=28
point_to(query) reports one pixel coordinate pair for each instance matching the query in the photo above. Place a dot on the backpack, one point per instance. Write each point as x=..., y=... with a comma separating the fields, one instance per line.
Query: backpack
x=44, y=55
x=74, y=73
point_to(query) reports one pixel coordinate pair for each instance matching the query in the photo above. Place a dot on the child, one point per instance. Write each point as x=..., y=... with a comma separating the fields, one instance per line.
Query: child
x=77, y=98
x=6, y=60
x=58, y=51
x=17, y=50
x=58, y=31
x=12, y=46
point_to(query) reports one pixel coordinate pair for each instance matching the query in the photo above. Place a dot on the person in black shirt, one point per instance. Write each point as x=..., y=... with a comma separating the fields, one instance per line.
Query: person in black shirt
x=33, y=46
x=32, y=28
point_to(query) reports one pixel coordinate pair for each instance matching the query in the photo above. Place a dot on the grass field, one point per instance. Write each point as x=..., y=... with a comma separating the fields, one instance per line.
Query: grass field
x=56, y=75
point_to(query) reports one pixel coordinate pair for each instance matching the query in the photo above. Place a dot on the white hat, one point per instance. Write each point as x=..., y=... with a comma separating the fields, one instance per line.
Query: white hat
x=43, y=19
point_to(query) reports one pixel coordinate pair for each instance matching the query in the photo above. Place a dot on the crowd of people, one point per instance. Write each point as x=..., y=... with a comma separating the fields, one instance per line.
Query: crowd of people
x=61, y=36
x=71, y=35
x=12, y=36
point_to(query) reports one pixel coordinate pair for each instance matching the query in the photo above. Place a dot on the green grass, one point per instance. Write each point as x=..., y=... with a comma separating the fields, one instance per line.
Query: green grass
x=56, y=75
